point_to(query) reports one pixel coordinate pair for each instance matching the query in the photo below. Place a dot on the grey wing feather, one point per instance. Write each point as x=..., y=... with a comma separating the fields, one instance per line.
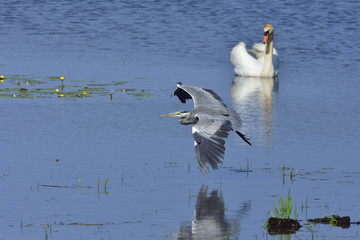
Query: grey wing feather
x=213, y=94
x=209, y=137
x=201, y=96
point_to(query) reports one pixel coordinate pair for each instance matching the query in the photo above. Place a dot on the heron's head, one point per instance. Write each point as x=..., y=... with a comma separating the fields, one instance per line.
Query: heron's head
x=179, y=114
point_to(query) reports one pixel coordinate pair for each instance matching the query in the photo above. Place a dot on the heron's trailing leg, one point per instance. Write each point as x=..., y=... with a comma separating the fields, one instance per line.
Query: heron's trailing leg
x=243, y=137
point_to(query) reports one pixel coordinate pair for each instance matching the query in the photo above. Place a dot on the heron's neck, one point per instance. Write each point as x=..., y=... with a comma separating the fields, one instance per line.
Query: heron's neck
x=268, y=69
x=188, y=118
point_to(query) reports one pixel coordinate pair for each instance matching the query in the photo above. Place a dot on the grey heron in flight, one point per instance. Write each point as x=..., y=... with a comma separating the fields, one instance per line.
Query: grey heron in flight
x=212, y=122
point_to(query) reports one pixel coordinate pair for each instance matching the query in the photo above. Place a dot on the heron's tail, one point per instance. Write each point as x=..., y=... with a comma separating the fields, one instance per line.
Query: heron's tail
x=247, y=140
x=235, y=119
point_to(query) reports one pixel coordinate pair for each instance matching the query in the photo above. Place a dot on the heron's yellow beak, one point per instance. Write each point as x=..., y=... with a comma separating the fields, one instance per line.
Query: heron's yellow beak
x=168, y=115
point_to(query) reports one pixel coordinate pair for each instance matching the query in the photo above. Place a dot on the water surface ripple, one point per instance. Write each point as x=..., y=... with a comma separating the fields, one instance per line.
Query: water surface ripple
x=82, y=166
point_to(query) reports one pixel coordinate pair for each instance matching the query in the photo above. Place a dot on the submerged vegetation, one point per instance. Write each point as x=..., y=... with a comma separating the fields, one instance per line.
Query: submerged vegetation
x=292, y=174
x=23, y=86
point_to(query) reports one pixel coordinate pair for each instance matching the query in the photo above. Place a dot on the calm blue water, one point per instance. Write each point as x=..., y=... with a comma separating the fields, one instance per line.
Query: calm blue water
x=308, y=119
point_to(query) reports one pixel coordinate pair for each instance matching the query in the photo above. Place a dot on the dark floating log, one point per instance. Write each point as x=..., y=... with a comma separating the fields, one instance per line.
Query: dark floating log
x=282, y=226
x=343, y=222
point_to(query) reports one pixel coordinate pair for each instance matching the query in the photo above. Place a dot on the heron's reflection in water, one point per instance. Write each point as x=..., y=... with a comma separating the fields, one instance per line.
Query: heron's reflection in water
x=253, y=98
x=209, y=218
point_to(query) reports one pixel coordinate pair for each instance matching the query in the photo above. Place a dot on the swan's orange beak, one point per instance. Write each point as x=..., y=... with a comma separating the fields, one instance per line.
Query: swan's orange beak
x=266, y=36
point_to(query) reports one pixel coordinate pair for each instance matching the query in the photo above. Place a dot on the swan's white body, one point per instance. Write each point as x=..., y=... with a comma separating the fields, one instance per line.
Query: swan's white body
x=266, y=63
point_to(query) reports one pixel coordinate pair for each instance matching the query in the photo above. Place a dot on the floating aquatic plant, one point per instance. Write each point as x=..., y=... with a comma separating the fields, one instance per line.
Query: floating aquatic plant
x=24, y=86
x=105, y=183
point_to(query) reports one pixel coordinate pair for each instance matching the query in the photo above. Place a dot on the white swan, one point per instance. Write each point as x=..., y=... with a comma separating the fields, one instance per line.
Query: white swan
x=266, y=63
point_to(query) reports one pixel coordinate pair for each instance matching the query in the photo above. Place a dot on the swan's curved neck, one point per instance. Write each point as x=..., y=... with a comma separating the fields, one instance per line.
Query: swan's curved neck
x=268, y=69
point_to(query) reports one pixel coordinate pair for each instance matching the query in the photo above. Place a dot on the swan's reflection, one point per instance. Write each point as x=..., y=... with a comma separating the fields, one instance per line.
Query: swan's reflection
x=209, y=218
x=253, y=98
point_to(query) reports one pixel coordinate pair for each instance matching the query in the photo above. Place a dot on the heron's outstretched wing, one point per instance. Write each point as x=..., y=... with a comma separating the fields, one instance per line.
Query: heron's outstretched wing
x=201, y=96
x=209, y=135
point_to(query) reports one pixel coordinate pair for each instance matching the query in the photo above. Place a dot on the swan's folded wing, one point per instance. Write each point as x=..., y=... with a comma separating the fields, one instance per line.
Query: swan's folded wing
x=244, y=64
x=276, y=62
x=258, y=49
